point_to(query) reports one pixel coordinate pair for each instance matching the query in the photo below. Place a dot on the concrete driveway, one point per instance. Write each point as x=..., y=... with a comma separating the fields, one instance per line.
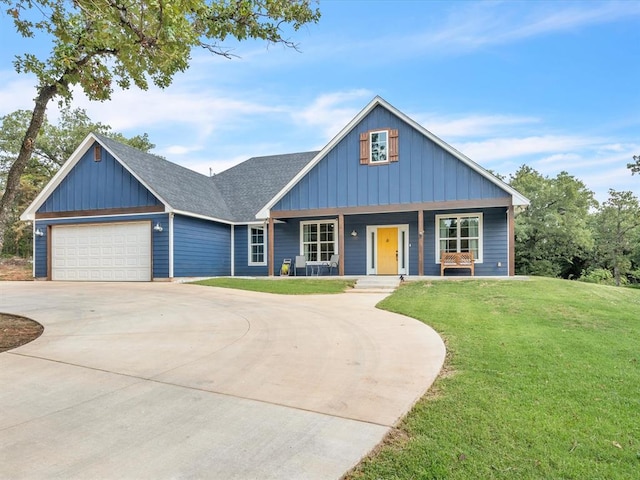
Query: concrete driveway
x=164, y=380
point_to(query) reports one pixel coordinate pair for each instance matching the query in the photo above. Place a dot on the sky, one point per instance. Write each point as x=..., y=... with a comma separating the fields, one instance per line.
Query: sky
x=554, y=85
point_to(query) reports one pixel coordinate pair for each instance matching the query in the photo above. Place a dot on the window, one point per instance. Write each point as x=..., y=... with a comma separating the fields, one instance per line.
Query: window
x=318, y=240
x=257, y=243
x=459, y=233
x=378, y=147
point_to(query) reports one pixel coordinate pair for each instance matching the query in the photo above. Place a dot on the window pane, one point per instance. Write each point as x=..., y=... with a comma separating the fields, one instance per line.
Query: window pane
x=310, y=232
x=474, y=224
x=448, y=227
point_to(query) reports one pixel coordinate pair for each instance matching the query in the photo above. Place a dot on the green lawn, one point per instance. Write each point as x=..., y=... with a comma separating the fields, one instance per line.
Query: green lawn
x=290, y=286
x=542, y=380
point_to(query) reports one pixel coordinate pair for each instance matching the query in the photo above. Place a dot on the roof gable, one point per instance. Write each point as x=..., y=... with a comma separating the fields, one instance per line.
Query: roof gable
x=97, y=183
x=363, y=121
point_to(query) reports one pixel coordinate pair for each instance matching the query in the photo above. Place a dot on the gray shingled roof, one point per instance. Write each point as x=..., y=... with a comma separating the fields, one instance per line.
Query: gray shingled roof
x=235, y=195
x=249, y=186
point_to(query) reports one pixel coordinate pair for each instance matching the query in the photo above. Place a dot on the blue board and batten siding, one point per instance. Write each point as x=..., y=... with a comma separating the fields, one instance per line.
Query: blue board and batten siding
x=94, y=185
x=494, y=242
x=159, y=240
x=425, y=172
x=201, y=248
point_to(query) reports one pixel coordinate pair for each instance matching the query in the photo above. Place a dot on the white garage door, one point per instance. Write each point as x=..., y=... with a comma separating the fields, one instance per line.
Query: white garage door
x=113, y=252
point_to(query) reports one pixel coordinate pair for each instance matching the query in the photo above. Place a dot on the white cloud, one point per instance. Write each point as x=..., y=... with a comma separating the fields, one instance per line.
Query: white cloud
x=471, y=125
x=501, y=148
x=16, y=93
x=492, y=23
x=332, y=111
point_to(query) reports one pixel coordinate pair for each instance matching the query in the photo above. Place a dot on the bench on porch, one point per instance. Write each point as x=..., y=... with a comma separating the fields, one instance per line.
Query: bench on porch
x=456, y=260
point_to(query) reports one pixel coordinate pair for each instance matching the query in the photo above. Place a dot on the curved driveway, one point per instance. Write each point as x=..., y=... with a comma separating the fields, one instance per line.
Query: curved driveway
x=165, y=380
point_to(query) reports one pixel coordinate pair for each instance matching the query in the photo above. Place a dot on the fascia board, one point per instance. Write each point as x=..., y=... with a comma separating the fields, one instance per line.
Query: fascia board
x=203, y=217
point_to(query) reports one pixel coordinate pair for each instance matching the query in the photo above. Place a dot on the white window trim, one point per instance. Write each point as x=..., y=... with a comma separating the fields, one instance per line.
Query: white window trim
x=371, y=160
x=479, y=215
x=319, y=222
x=250, y=244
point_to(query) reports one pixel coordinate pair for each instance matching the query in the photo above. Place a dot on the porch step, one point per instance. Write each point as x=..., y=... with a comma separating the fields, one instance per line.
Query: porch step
x=381, y=284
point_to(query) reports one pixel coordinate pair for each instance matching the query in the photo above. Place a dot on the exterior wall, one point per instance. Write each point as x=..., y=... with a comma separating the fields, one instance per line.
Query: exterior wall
x=424, y=173
x=355, y=248
x=241, y=248
x=201, y=248
x=494, y=235
x=98, y=185
x=495, y=245
x=159, y=244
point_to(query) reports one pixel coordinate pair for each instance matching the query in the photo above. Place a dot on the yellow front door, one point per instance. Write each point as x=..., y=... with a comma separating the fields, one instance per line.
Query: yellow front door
x=387, y=251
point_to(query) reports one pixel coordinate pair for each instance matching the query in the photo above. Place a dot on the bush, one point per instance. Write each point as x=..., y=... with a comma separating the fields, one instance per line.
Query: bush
x=601, y=276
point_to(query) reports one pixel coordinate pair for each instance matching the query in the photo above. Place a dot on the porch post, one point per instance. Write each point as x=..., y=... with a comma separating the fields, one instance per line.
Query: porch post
x=512, y=240
x=270, y=248
x=341, y=244
x=420, y=243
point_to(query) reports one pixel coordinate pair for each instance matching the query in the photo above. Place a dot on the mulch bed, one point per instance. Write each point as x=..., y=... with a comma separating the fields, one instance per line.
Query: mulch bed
x=16, y=331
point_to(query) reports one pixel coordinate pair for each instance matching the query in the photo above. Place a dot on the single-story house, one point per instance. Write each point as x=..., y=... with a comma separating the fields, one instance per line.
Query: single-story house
x=385, y=196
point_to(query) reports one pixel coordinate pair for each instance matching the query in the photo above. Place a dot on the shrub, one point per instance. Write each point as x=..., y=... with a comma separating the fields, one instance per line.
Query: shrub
x=600, y=276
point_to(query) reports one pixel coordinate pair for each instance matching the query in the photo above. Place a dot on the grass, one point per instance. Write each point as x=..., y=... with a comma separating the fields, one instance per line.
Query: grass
x=542, y=380
x=298, y=286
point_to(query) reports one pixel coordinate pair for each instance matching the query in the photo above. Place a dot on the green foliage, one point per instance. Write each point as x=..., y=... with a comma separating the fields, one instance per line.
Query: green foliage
x=97, y=44
x=297, y=286
x=541, y=381
x=601, y=276
x=553, y=235
x=635, y=166
x=617, y=227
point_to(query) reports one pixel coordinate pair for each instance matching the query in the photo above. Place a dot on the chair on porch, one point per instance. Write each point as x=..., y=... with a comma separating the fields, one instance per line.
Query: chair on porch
x=301, y=262
x=333, y=263
x=285, y=269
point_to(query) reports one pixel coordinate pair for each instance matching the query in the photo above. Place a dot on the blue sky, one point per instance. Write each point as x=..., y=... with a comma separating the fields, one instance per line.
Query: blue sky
x=551, y=84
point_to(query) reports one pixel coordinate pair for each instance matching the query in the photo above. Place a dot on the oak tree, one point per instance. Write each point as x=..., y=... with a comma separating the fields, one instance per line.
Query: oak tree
x=100, y=44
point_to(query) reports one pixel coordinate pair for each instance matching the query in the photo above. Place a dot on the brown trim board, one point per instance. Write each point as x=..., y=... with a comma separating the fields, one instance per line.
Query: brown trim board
x=101, y=212
x=407, y=207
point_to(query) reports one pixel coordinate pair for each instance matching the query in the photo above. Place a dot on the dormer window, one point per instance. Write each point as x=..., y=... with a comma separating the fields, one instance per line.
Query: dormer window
x=379, y=147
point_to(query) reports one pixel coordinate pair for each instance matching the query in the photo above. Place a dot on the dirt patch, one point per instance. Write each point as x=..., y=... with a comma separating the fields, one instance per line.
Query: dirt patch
x=16, y=331
x=15, y=268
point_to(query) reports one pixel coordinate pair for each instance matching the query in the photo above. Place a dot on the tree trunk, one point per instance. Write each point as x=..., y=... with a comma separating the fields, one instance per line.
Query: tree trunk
x=45, y=94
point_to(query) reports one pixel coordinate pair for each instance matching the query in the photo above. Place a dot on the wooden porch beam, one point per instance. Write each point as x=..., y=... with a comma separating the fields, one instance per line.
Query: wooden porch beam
x=512, y=240
x=420, y=242
x=341, y=244
x=270, y=248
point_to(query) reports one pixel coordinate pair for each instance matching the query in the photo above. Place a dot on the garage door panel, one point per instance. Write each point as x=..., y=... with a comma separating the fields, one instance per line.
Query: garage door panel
x=102, y=252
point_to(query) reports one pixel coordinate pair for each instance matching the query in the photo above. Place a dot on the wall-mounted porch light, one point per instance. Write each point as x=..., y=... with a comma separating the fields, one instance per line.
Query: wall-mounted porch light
x=39, y=233
x=354, y=233
x=157, y=227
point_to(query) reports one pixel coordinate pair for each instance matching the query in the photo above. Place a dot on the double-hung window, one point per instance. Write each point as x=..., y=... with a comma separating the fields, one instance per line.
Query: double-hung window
x=257, y=242
x=318, y=240
x=459, y=233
